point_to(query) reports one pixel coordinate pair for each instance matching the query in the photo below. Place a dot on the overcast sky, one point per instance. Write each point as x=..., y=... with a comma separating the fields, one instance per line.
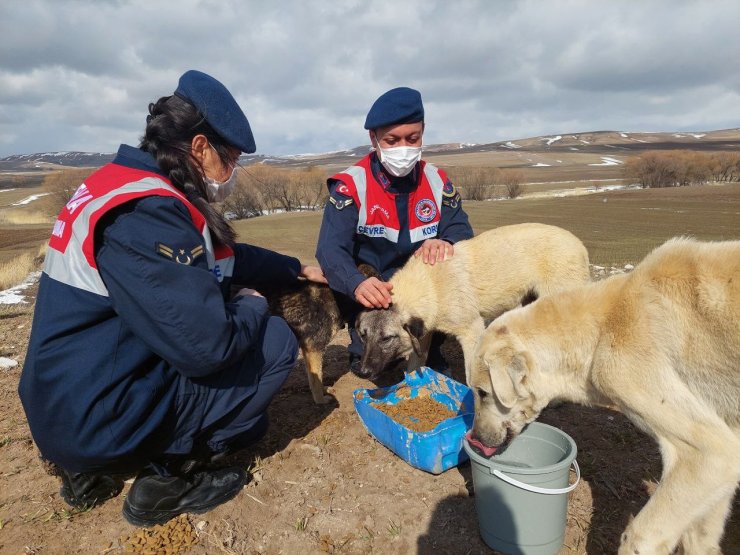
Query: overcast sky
x=79, y=75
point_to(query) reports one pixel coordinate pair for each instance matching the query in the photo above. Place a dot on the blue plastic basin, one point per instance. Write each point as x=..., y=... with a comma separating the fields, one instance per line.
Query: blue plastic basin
x=436, y=450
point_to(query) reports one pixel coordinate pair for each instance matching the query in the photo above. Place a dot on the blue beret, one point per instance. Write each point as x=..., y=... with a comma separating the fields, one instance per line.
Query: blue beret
x=218, y=107
x=397, y=106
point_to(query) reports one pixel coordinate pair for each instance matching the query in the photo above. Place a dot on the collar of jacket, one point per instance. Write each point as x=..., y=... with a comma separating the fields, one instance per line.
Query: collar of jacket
x=133, y=157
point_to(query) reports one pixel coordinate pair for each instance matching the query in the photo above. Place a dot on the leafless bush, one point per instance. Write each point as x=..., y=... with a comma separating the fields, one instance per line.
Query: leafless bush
x=512, y=181
x=474, y=183
x=682, y=167
x=245, y=201
x=311, y=184
x=263, y=189
x=63, y=184
x=724, y=166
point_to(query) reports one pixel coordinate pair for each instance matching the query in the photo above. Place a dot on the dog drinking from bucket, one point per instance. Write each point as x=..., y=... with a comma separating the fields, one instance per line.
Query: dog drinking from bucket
x=521, y=494
x=661, y=344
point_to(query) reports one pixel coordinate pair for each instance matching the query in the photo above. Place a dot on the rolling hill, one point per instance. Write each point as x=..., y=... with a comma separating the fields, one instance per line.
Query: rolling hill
x=571, y=156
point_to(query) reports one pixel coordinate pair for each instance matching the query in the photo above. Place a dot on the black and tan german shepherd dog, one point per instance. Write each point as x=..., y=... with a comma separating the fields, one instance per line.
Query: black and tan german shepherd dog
x=315, y=313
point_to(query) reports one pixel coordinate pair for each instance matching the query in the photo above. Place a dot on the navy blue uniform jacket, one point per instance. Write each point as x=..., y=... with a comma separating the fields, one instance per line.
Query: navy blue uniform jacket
x=100, y=374
x=340, y=249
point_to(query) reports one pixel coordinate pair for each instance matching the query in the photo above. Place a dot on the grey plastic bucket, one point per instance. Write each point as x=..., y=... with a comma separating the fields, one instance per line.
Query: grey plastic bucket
x=521, y=493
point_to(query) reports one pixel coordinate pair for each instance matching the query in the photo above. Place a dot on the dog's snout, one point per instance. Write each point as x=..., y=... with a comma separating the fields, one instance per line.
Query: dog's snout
x=361, y=371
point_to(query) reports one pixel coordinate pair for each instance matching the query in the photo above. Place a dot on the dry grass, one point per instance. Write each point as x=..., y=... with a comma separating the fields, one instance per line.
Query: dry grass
x=15, y=270
x=19, y=216
x=620, y=227
x=617, y=227
x=294, y=233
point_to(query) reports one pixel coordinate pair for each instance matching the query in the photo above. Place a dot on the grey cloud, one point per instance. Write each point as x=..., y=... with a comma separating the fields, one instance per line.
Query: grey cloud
x=78, y=75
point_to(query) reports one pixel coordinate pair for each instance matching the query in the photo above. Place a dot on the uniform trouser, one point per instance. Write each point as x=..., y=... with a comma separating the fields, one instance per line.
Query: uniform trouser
x=228, y=411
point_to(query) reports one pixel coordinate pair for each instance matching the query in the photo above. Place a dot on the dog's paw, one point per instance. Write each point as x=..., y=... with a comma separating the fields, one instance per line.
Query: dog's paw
x=325, y=398
x=635, y=544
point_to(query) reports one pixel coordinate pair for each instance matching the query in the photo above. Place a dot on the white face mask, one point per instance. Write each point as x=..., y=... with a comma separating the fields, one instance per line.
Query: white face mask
x=399, y=160
x=217, y=191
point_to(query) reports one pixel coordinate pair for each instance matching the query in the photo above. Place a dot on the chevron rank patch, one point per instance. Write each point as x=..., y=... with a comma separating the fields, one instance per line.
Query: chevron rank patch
x=452, y=201
x=181, y=256
x=339, y=204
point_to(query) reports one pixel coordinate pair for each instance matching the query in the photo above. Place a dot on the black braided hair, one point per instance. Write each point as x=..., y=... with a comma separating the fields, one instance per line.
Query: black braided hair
x=170, y=127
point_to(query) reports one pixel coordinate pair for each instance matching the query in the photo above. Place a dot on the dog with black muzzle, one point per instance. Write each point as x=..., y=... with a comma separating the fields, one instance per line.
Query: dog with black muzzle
x=489, y=274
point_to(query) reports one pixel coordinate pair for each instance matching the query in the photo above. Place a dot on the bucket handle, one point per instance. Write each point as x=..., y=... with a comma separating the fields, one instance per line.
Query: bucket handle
x=535, y=489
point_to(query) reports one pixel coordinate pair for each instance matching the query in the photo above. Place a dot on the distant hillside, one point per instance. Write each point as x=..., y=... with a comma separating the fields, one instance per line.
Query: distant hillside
x=593, y=143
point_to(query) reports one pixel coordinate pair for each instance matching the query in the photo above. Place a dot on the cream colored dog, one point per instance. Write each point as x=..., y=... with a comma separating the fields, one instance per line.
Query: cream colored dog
x=662, y=345
x=493, y=272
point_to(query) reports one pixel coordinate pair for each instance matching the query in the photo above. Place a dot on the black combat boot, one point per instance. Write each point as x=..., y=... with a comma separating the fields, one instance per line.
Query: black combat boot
x=84, y=491
x=155, y=499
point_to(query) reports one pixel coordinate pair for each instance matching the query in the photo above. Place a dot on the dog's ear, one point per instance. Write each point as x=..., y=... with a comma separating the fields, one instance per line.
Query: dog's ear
x=415, y=329
x=508, y=379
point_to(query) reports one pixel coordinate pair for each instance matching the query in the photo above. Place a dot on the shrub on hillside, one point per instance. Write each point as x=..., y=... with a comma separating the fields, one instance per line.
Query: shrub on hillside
x=474, y=183
x=245, y=201
x=62, y=185
x=512, y=181
x=678, y=168
x=263, y=189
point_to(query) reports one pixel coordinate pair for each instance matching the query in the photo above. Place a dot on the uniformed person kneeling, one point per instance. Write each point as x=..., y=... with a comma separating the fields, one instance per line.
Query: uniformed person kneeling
x=139, y=359
x=387, y=207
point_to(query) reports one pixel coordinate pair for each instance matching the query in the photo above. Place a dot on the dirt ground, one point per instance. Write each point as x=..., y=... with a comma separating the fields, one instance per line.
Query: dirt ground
x=321, y=484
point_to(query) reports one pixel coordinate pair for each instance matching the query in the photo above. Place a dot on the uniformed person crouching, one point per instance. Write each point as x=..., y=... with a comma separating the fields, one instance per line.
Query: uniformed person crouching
x=139, y=360
x=389, y=205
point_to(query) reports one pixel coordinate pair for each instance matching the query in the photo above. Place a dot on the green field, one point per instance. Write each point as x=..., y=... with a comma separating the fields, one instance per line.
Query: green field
x=617, y=227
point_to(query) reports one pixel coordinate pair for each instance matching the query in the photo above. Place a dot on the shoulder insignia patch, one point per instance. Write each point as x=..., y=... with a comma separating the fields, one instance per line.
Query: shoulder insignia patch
x=179, y=255
x=449, y=190
x=339, y=204
x=452, y=202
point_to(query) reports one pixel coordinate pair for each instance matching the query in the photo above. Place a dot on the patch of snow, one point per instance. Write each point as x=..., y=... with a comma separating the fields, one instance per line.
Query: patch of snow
x=552, y=139
x=573, y=148
x=637, y=185
x=585, y=142
x=13, y=295
x=30, y=199
x=7, y=363
x=624, y=135
x=608, y=161
x=540, y=165
x=5, y=190
x=509, y=144
x=698, y=135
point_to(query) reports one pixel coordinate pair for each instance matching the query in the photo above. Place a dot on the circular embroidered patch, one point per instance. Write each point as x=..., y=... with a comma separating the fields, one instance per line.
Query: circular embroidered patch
x=425, y=210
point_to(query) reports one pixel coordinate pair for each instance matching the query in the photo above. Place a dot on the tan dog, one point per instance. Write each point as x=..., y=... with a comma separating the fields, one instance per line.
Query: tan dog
x=661, y=344
x=493, y=272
